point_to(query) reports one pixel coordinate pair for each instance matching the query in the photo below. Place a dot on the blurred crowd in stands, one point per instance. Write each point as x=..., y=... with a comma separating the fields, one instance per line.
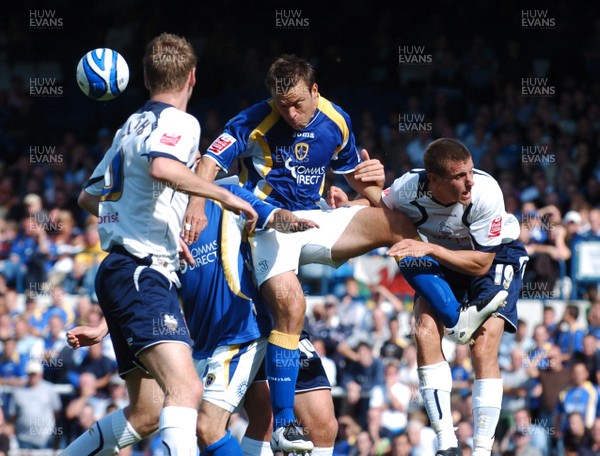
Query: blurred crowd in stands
x=541, y=145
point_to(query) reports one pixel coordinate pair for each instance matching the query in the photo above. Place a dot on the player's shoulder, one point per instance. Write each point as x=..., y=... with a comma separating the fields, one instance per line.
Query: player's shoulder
x=333, y=112
x=415, y=179
x=484, y=178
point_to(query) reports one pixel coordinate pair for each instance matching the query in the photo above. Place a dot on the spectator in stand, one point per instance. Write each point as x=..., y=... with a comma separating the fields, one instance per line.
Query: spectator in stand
x=409, y=375
x=580, y=396
x=57, y=307
x=101, y=366
x=32, y=251
x=87, y=395
x=12, y=367
x=541, y=339
x=352, y=310
x=422, y=438
x=510, y=342
x=86, y=262
x=537, y=433
x=364, y=445
x=462, y=371
x=569, y=334
x=592, y=448
x=379, y=436
x=33, y=409
x=594, y=320
x=516, y=383
x=348, y=431
x=552, y=381
x=393, y=348
x=544, y=238
x=12, y=371
x=83, y=421
x=590, y=356
x=576, y=434
x=392, y=399
x=328, y=363
x=4, y=436
x=10, y=271
x=464, y=434
x=33, y=314
x=28, y=345
x=401, y=445
x=359, y=379
x=549, y=321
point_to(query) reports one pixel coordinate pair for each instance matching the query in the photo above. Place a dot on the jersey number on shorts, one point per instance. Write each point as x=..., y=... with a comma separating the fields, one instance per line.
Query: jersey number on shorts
x=113, y=179
x=504, y=273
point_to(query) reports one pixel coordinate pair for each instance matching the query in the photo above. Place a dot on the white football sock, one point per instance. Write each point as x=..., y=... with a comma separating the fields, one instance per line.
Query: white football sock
x=435, y=385
x=178, y=430
x=487, y=403
x=252, y=447
x=105, y=438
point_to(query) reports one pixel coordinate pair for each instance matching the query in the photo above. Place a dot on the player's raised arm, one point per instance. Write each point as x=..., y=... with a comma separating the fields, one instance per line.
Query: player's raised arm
x=368, y=178
x=177, y=174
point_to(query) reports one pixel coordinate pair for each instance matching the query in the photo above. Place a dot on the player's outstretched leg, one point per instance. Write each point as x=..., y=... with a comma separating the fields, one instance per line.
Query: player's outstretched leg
x=424, y=274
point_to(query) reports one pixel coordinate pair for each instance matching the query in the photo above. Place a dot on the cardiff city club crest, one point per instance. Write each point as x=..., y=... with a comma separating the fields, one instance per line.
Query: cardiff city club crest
x=301, y=150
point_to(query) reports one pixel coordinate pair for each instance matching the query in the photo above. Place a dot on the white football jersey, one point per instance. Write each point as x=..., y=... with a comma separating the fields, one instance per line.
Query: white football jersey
x=138, y=212
x=482, y=225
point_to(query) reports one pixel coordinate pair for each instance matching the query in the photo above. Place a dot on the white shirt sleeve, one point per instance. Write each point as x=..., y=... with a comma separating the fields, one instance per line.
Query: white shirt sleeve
x=488, y=216
x=401, y=192
x=176, y=134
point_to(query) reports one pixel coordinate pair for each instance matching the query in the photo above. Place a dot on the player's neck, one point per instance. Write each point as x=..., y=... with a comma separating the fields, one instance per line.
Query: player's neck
x=176, y=99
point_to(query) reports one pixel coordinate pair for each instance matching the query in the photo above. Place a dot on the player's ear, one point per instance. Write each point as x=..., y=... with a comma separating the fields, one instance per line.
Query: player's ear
x=314, y=90
x=192, y=77
x=146, y=81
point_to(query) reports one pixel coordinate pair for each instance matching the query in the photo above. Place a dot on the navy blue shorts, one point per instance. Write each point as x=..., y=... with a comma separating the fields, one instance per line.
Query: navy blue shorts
x=140, y=305
x=311, y=375
x=506, y=273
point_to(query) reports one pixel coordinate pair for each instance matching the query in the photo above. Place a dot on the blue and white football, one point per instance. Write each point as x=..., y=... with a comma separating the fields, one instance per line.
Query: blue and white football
x=102, y=74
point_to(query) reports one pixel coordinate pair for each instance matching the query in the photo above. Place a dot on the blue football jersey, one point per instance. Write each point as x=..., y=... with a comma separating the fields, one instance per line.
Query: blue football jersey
x=283, y=166
x=219, y=298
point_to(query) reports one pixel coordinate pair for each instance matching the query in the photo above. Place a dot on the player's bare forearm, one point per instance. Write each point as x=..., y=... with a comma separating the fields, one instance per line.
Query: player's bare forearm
x=88, y=202
x=372, y=192
x=368, y=178
x=470, y=262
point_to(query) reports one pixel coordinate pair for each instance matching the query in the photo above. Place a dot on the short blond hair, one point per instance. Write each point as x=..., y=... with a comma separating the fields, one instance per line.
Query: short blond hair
x=167, y=63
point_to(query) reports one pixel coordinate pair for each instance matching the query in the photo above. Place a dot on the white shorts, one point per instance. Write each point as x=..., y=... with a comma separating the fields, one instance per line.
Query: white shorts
x=274, y=253
x=227, y=374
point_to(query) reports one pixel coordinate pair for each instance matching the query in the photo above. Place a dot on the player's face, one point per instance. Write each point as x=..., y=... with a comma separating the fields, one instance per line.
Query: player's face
x=297, y=105
x=455, y=186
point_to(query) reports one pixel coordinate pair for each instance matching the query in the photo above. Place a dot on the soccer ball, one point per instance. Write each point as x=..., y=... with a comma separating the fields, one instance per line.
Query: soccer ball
x=102, y=74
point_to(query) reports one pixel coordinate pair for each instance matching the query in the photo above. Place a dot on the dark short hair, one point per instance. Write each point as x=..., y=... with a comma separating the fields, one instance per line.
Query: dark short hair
x=287, y=72
x=573, y=310
x=443, y=151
